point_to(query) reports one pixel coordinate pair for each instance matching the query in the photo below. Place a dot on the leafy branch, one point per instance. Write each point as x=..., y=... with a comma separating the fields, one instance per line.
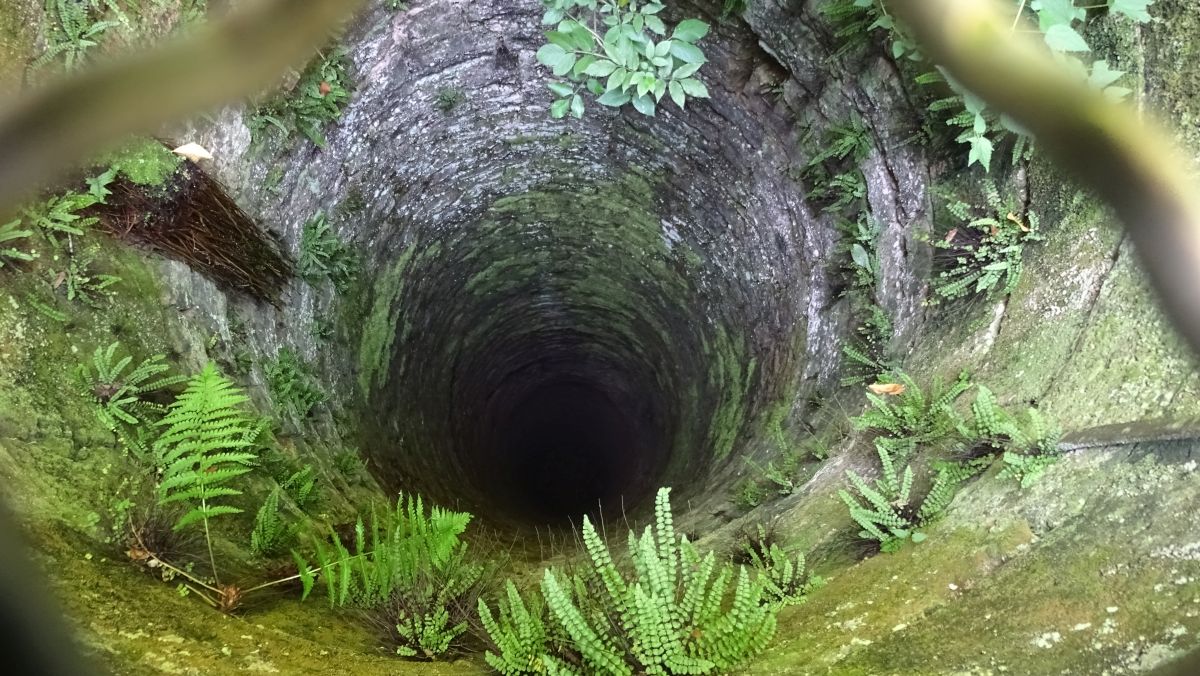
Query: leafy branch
x=633, y=66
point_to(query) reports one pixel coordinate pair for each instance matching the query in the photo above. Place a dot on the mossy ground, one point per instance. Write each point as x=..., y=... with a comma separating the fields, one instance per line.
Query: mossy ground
x=65, y=474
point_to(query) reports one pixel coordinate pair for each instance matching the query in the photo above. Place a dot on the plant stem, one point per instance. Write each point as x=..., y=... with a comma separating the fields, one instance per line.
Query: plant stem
x=208, y=540
x=178, y=571
x=297, y=576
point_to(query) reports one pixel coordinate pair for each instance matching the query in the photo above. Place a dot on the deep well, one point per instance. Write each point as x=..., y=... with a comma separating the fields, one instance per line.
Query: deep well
x=559, y=317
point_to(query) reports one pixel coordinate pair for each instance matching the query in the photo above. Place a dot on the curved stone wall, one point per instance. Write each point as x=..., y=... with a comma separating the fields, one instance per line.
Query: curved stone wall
x=662, y=274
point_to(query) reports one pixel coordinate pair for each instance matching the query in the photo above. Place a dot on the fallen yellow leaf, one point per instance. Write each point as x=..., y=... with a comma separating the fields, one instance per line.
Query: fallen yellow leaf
x=890, y=389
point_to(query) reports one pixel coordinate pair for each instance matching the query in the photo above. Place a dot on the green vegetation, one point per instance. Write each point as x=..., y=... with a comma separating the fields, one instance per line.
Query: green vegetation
x=890, y=510
x=319, y=98
x=292, y=387
x=143, y=161
x=833, y=178
x=10, y=233
x=1028, y=444
x=208, y=440
x=409, y=566
x=832, y=175
x=73, y=28
x=301, y=486
x=121, y=394
x=61, y=215
x=911, y=417
x=783, y=576
x=349, y=464
x=666, y=614
x=272, y=534
x=449, y=98
x=749, y=493
x=324, y=256
x=732, y=8
x=80, y=283
x=985, y=251
x=634, y=67
x=1061, y=24
x=777, y=475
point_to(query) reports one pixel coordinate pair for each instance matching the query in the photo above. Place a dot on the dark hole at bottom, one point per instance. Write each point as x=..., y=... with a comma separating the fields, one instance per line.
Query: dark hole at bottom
x=567, y=449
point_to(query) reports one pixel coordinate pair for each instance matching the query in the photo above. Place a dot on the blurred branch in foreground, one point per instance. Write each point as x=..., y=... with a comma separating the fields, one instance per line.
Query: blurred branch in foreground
x=47, y=130
x=1126, y=161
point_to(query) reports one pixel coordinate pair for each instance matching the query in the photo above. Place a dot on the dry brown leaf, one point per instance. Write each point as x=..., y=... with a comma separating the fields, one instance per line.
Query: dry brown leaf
x=889, y=389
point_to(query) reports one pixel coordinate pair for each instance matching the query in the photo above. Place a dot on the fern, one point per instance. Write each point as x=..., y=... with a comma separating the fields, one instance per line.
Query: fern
x=80, y=283
x=986, y=249
x=73, y=29
x=1027, y=446
x=301, y=487
x=10, y=233
x=46, y=310
x=783, y=577
x=120, y=393
x=519, y=632
x=291, y=384
x=887, y=510
x=271, y=535
x=1025, y=469
x=408, y=563
x=669, y=614
x=320, y=97
x=914, y=417
x=206, y=442
x=323, y=255
x=60, y=215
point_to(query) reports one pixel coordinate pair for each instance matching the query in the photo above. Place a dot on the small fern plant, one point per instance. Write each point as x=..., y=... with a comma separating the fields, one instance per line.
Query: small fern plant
x=911, y=416
x=272, y=534
x=73, y=29
x=81, y=283
x=519, y=632
x=324, y=256
x=301, y=487
x=61, y=215
x=1028, y=444
x=10, y=234
x=207, y=441
x=291, y=383
x=669, y=614
x=985, y=252
x=783, y=577
x=888, y=510
x=120, y=392
x=409, y=563
x=319, y=98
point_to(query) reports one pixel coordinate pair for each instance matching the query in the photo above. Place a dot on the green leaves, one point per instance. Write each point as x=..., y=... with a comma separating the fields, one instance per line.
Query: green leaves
x=666, y=609
x=10, y=233
x=323, y=255
x=1061, y=25
x=318, y=99
x=1063, y=38
x=625, y=64
x=208, y=439
x=989, y=260
x=410, y=558
x=690, y=30
x=1134, y=9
